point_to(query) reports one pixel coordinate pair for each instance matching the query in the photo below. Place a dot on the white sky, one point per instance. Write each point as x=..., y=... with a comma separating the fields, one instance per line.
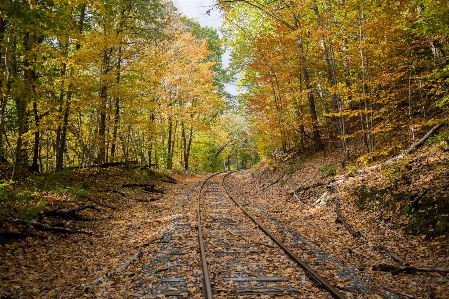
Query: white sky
x=198, y=10
x=206, y=14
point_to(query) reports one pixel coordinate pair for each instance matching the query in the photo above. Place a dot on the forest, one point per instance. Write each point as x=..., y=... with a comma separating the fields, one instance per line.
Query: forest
x=361, y=76
x=90, y=83
x=114, y=114
x=94, y=82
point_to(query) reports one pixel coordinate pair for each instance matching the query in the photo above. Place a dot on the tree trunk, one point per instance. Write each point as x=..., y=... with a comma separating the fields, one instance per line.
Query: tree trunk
x=28, y=42
x=187, y=143
x=62, y=131
x=169, y=164
x=368, y=136
x=37, y=138
x=117, y=111
x=102, y=126
x=3, y=99
x=318, y=144
x=115, y=129
x=331, y=80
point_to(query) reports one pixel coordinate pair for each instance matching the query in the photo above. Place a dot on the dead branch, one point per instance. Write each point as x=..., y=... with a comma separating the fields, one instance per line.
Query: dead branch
x=352, y=252
x=119, y=192
x=46, y=227
x=393, y=254
x=408, y=269
x=274, y=182
x=139, y=185
x=148, y=166
x=102, y=204
x=305, y=188
x=415, y=203
x=320, y=199
x=351, y=289
x=390, y=290
x=430, y=292
x=354, y=289
x=340, y=219
x=230, y=232
x=157, y=240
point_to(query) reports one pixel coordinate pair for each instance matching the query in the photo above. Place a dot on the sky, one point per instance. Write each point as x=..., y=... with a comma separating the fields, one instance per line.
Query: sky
x=201, y=10
x=206, y=14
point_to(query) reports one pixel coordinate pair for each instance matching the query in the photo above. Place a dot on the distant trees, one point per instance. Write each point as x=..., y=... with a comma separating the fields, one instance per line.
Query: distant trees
x=322, y=71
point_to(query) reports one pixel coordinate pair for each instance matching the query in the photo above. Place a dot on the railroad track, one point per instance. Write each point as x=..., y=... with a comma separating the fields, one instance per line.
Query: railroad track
x=240, y=257
x=352, y=280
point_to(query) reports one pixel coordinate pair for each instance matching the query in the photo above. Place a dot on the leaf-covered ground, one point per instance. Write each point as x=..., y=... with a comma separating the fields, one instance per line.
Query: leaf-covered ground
x=54, y=265
x=134, y=228
x=378, y=204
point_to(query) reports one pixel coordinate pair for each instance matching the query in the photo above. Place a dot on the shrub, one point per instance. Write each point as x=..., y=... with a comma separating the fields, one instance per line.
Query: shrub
x=396, y=171
x=328, y=170
x=440, y=141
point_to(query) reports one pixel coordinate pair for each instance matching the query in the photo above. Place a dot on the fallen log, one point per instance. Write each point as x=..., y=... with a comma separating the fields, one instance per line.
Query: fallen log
x=424, y=138
x=46, y=227
x=392, y=254
x=148, y=200
x=305, y=188
x=111, y=164
x=152, y=190
x=169, y=179
x=67, y=212
x=408, y=269
x=418, y=143
x=340, y=219
x=413, y=147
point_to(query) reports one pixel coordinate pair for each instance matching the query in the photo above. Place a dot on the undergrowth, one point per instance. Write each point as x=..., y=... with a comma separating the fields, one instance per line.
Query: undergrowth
x=430, y=218
x=23, y=199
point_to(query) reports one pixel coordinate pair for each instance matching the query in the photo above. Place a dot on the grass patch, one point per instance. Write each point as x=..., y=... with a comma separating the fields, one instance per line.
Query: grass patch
x=142, y=176
x=65, y=183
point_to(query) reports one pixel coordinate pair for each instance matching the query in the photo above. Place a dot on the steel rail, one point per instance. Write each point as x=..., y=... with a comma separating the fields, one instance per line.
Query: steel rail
x=207, y=287
x=314, y=275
